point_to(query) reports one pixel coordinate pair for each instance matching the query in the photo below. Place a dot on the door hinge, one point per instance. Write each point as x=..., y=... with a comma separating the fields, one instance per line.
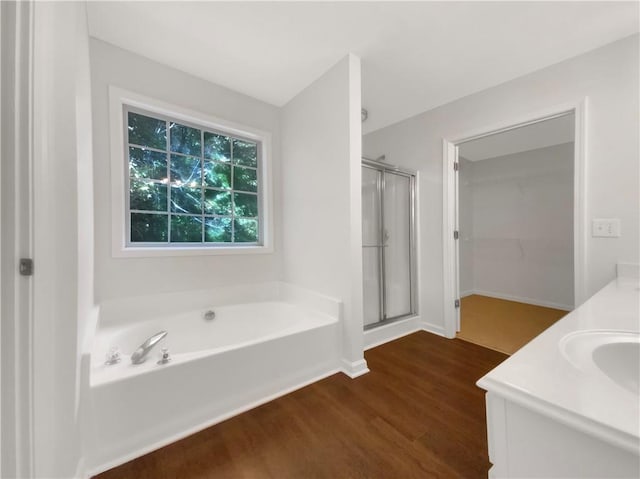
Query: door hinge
x=456, y=166
x=457, y=303
x=456, y=234
x=26, y=267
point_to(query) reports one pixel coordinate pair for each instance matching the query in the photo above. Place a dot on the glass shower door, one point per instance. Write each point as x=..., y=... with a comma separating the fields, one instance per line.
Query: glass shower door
x=397, y=242
x=371, y=254
x=387, y=243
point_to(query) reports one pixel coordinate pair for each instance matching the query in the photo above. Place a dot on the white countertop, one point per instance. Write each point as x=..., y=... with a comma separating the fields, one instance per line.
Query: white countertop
x=541, y=378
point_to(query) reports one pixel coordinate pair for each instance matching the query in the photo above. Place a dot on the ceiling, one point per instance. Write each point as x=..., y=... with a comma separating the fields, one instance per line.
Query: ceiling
x=530, y=137
x=415, y=55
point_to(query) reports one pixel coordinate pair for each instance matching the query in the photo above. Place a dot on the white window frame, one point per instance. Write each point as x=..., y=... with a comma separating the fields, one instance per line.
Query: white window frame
x=121, y=247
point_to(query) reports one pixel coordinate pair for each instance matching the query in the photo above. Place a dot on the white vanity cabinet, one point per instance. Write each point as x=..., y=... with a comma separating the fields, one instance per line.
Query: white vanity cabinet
x=528, y=444
x=567, y=405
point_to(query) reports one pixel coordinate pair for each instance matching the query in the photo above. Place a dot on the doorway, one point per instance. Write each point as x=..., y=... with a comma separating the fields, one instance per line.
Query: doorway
x=388, y=244
x=517, y=231
x=515, y=246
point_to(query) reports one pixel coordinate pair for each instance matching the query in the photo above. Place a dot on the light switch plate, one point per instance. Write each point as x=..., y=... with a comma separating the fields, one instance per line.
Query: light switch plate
x=605, y=227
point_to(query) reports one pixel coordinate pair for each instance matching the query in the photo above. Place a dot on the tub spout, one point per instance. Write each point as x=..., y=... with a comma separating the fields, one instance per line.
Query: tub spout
x=140, y=354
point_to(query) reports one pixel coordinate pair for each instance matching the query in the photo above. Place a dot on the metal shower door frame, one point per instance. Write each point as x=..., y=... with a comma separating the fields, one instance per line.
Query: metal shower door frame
x=384, y=169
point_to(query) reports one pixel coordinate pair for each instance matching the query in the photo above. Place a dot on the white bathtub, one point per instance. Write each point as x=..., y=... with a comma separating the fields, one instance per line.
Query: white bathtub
x=248, y=355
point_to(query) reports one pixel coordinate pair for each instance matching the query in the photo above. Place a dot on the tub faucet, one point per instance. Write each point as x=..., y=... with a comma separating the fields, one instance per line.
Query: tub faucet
x=140, y=354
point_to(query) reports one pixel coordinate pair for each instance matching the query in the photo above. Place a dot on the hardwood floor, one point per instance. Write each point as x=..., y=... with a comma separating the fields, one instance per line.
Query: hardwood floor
x=417, y=414
x=503, y=325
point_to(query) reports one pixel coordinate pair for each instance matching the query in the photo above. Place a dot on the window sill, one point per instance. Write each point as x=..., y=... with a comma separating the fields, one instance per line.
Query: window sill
x=155, y=252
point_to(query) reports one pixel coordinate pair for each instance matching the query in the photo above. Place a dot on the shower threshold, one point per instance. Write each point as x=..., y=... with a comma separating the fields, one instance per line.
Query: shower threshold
x=386, y=321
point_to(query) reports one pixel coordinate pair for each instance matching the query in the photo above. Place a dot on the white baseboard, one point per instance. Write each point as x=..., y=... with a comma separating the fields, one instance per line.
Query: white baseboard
x=464, y=294
x=433, y=328
x=383, y=334
x=355, y=368
x=520, y=299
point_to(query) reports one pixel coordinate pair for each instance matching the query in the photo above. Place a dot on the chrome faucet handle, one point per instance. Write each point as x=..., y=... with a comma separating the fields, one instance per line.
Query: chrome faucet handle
x=113, y=356
x=164, y=356
x=140, y=354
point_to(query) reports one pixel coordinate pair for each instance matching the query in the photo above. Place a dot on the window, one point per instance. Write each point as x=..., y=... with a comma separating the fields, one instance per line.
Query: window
x=190, y=185
x=184, y=183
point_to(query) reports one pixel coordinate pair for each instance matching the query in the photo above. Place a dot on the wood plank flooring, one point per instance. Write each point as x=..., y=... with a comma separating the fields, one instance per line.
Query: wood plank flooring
x=417, y=414
x=503, y=325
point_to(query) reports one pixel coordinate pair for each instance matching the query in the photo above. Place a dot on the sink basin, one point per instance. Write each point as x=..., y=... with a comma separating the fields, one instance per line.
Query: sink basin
x=613, y=354
x=621, y=362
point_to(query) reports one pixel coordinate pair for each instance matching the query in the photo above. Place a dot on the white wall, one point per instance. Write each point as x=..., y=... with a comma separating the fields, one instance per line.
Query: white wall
x=118, y=277
x=465, y=225
x=62, y=225
x=609, y=77
x=85, y=229
x=521, y=238
x=321, y=194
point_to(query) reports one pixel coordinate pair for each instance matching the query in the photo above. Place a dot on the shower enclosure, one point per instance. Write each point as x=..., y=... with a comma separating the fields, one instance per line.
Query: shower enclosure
x=388, y=242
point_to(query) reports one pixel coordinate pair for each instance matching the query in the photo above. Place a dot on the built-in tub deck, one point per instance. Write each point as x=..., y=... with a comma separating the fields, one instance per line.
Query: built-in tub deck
x=191, y=336
x=249, y=354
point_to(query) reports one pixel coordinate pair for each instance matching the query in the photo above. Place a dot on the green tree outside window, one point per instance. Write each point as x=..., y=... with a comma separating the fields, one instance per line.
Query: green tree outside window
x=188, y=185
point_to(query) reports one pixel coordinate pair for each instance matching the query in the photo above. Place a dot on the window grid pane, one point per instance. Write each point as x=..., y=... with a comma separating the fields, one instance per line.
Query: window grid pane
x=199, y=186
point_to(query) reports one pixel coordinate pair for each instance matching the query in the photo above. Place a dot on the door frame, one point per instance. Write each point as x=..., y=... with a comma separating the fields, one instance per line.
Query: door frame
x=17, y=241
x=451, y=286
